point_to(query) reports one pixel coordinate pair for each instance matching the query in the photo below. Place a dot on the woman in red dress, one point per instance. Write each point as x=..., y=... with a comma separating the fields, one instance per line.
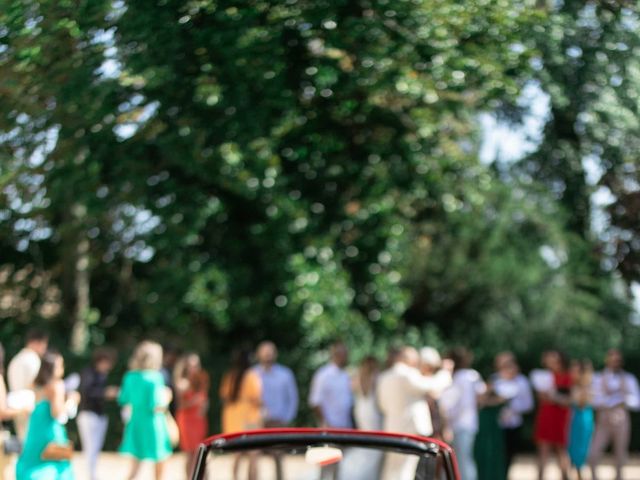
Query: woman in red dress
x=551, y=432
x=192, y=392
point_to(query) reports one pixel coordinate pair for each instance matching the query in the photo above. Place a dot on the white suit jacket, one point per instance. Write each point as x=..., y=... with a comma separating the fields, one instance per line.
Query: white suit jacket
x=23, y=370
x=401, y=394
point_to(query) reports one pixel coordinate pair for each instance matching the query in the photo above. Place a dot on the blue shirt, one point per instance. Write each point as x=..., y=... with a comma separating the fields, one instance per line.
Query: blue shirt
x=331, y=392
x=279, y=393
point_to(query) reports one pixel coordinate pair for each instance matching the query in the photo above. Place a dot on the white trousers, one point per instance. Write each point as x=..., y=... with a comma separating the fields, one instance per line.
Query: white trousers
x=399, y=466
x=92, y=429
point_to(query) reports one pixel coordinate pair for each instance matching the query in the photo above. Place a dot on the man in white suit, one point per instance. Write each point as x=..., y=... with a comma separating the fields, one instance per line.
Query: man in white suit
x=23, y=370
x=402, y=397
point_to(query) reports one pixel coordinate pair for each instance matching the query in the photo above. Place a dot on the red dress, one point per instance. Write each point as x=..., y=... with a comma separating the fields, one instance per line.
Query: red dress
x=192, y=423
x=552, y=421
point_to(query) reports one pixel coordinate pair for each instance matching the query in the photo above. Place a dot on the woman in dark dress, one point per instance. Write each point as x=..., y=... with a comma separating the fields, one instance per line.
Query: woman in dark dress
x=94, y=392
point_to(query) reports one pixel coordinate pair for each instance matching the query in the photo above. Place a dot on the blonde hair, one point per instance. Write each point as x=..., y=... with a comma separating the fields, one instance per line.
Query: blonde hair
x=430, y=357
x=146, y=356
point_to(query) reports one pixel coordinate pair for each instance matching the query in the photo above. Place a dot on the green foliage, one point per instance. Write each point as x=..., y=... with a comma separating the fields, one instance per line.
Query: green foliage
x=307, y=170
x=588, y=65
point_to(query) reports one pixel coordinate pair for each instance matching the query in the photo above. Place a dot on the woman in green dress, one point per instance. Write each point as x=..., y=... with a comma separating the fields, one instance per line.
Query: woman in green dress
x=144, y=394
x=47, y=451
x=489, y=448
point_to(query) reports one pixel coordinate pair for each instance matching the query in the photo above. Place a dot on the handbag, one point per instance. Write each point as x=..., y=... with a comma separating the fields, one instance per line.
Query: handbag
x=174, y=431
x=57, y=451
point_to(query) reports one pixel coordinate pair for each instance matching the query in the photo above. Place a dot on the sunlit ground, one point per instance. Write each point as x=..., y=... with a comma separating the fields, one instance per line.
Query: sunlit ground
x=114, y=467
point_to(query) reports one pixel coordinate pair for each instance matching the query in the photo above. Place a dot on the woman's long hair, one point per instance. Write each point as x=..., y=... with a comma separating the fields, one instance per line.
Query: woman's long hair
x=1, y=360
x=198, y=381
x=367, y=373
x=565, y=361
x=47, y=368
x=240, y=364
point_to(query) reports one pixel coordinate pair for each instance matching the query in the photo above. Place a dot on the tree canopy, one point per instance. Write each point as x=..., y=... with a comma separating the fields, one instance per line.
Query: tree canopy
x=223, y=172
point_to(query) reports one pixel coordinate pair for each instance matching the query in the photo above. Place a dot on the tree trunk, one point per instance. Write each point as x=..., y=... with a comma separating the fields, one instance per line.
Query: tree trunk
x=81, y=284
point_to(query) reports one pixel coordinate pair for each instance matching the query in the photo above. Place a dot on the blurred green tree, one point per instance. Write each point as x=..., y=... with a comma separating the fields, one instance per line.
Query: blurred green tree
x=214, y=173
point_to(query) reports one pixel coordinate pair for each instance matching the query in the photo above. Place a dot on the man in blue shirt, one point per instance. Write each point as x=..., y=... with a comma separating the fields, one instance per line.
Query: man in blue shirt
x=331, y=397
x=279, y=390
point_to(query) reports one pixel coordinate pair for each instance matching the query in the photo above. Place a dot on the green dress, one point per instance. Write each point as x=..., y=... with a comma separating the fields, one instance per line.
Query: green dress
x=43, y=429
x=146, y=435
x=489, y=448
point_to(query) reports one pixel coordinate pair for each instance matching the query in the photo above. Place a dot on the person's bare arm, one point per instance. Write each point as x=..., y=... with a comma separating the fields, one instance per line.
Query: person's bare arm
x=7, y=413
x=315, y=398
x=54, y=392
x=561, y=399
x=111, y=392
x=317, y=412
x=164, y=395
x=433, y=385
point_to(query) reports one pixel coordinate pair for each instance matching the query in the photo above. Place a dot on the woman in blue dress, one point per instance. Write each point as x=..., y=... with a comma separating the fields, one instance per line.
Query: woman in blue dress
x=582, y=418
x=47, y=451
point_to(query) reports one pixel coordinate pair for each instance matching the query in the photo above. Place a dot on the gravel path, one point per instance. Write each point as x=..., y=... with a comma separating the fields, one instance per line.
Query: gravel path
x=114, y=467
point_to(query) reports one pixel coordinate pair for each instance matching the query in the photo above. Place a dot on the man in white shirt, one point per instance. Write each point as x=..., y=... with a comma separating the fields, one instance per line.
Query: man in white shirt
x=431, y=366
x=401, y=393
x=459, y=403
x=331, y=397
x=615, y=392
x=24, y=368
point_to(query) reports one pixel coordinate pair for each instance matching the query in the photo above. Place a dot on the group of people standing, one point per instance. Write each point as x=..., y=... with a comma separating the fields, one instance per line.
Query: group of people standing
x=582, y=412
x=579, y=412
x=160, y=409
x=164, y=401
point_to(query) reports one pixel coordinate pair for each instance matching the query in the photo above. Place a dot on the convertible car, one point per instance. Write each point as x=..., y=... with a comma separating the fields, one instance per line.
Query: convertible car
x=313, y=454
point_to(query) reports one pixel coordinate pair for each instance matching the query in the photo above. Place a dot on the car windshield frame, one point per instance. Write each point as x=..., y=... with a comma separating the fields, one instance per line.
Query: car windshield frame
x=423, y=447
